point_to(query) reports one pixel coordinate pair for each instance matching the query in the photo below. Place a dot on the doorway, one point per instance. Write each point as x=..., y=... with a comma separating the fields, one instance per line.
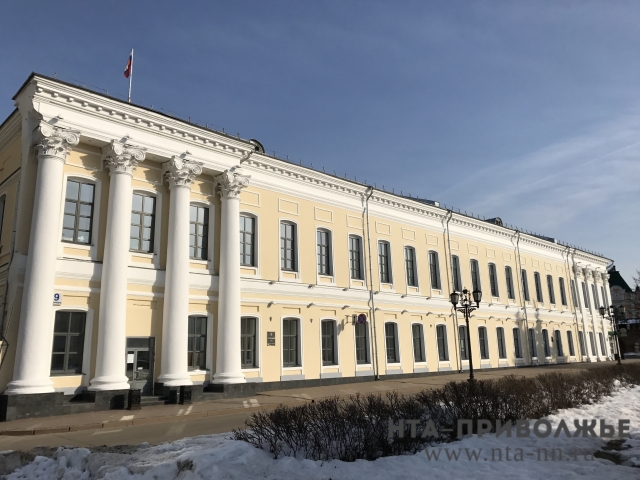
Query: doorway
x=140, y=360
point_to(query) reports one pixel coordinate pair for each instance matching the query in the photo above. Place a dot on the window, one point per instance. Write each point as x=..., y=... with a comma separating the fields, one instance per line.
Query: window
x=199, y=232
x=516, y=343
x=536, y=280
x=455, y=274
x=434, y=270
x=443, y=348
x=603, y=296
x=362, y=343
x=475, y=275
x=603, y=350
x=324, y=252
x=532, y=343
x=328, y=342
x=68, y=343
x=410, y=265
x=142, y=223
x=525, y=286
x=563, y=294
x=572, y=351
x=247, y=241
x=502, y=349
x=288, y=246
x=197, y=343
x=78, y=212
x=592, y=341
x=418, y=343
x=493, y=280
x=391, y=337
x=384, y=260
x=596, y=300
x=545, y=343
x=552, y=293
x=3, y=201
x=484, y=346
x=581, y=342
x=248, y=341
x=559, y=348
x=574, y=294
x=511, y=293
x=464, y=345
x=355, y=257
x=585, y=294
x=290, y=336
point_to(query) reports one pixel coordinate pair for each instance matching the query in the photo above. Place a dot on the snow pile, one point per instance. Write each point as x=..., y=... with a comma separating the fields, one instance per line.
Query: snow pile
x=218, y=457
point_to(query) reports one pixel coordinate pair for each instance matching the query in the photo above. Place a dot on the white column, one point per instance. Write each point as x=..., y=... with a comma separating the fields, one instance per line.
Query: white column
x=179, y=173
x=35, y=334
x=577, y=273
x=228, y=358
x=120, y=160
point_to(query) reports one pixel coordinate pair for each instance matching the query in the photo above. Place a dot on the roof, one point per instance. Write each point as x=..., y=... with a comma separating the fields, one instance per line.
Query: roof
x=616, y=279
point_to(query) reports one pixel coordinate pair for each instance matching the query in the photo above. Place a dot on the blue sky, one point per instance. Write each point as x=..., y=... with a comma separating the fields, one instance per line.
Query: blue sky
x=525, y=110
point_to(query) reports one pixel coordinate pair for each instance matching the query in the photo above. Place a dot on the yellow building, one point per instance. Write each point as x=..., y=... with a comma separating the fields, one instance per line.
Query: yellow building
x=140, y=250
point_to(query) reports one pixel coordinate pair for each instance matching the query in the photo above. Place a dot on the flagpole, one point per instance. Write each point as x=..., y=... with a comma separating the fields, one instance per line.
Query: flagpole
x=131, y=75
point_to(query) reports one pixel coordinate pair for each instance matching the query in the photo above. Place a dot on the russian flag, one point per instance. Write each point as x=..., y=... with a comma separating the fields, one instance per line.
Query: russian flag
x=129, y=67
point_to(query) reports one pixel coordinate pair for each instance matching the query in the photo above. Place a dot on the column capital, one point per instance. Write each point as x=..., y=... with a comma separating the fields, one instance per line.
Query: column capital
x=231, y=182
x=180, y=172
x=121, y=157
x=54, y=141
x=577, y=270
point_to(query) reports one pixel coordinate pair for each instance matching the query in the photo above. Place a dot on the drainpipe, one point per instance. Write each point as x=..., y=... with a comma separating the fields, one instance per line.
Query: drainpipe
x=455, y=312
x=522, y=300
x=369, y=193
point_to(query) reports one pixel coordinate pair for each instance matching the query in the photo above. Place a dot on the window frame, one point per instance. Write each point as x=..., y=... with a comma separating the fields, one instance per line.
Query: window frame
x=420, y=348
x=508, y=275
x=546, y=344
x=592, y=341
x=256, y=337
x=464, y=344
x=603, y=347
x=333, y=324
x=572, y=350
x=574, y=295
x=502, y=343
x=563, y=292
x=483, y=342
x=493, y=280
x=538, y=284
x=533, y=343
x=456, y=273
x=517, y=344
x=367, y=343
x=442, y=352
x=396, y=343
x=190, y=352
x=154, y=216
x=476, y=281
x=585, y=293
x=205, y=229
x=387, y=264
x=361, y=271
x=255, y=239
x=414, y=266
x=558, y=341
x=298, y=345
x=67, y=335
x=93, y=218
x=329, y=252
x=582, y=344
x=434, y=270
x=551, y=290
x=596, y=298
x=295, y=247
x=524, y=281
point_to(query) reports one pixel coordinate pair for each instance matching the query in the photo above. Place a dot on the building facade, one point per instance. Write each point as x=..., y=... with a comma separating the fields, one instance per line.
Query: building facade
x=141, y=250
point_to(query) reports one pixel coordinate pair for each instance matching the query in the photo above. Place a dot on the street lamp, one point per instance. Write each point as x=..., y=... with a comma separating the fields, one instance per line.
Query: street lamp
x=615, y=314
x=466, y=307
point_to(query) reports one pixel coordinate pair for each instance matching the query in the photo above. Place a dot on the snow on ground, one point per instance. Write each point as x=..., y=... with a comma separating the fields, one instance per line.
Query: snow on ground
x=218, y=457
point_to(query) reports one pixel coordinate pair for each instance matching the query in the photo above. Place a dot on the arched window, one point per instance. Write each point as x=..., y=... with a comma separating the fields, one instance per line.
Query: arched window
x=552, y=293
x=502, y=349
x=418, y=343
x=484, y=343
x=391, y=342
x=511, y=294
x=536, y=280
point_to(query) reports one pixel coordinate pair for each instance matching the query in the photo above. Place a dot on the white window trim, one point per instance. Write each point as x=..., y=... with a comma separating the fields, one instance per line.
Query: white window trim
x=210, y=347
x=332, y=262
x=336, y=344
x=300, y=341
x=397, y=340
x=157, y=234
x=424, y=346
x=443, y=363
x=368, y=342
x=258, y=344
x=416, y=270
x=210, y=237
x=363, y=266
x=298, y=272
x=256, y=245
x=86, y=350
x=95, y=221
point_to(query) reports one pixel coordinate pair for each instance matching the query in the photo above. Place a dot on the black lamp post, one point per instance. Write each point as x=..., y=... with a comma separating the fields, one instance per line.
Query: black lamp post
x=466, y=307
x=616, y=314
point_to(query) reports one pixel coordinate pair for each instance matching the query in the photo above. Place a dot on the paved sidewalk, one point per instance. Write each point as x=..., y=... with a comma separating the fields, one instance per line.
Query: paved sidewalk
x=241, y=407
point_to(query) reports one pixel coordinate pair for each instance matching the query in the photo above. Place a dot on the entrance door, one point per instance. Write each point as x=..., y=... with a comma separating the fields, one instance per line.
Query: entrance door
x=140, y=359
